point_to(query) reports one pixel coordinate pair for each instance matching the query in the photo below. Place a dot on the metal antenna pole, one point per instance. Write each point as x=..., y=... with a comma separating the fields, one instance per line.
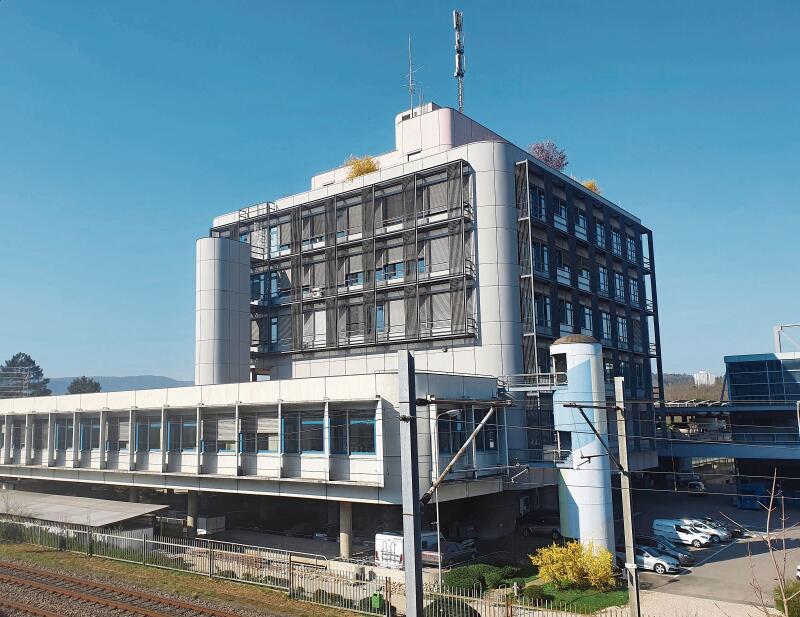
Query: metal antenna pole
x=627, y=508
x=410, y=77
x=458, y=25
x=409, y=466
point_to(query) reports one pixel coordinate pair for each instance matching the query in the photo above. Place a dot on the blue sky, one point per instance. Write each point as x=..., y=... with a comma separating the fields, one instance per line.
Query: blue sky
x=126, y=126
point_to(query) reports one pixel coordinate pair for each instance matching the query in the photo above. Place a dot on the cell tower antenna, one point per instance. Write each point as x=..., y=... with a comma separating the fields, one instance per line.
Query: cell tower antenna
x=411, y=84
x=458, y=26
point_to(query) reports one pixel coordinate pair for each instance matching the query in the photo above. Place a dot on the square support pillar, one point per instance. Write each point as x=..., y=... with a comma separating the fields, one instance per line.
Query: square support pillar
x=103, y=438
x=345, y=529
x=163, y=439
x=8, y=423
x=28, y=449
x=198, y=449
x=51, y=440
x=326, y=440
x=76, y=439
x=131, y=440
x=237, y=446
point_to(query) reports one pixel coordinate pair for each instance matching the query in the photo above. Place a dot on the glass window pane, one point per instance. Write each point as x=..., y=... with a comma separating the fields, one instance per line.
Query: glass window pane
x=362, y=433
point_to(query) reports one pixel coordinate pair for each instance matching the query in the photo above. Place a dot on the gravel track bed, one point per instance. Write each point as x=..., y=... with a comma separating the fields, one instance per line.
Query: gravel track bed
x=89, y=575
x=47, y=601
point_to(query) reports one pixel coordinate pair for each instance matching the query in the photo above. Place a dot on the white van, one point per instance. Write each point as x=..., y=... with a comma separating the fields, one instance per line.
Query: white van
x=679, y=531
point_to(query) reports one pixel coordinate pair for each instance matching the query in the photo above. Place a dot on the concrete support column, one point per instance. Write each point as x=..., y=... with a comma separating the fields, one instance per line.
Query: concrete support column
x=345, y=528
x=76, y=439
x=163, y=439
x=51, y=440
x=326, y=441
x=133, y=494
x=198, y=449
x=103, y=437
x=26, y=453
x=192, y=505
x=131, y=440
x=7, y=424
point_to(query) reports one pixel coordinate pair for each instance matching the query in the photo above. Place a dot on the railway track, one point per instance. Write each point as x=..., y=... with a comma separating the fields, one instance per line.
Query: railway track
x=101, y=595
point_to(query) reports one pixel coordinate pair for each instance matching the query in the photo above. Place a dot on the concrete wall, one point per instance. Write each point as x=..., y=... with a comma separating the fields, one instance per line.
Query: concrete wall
x=222, y=312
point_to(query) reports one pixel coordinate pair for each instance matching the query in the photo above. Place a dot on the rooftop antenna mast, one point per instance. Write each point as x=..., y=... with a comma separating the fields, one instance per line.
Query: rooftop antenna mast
x=458, y=25
x=411, y=84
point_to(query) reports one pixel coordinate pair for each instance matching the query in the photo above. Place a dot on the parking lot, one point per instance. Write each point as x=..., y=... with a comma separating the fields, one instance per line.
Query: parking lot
x=731, y=571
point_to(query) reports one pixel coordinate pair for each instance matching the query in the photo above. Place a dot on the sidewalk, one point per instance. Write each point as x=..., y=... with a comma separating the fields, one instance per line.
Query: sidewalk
x=657, y=604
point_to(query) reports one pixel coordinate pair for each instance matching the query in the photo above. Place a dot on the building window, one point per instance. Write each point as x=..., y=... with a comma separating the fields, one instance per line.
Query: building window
x=543, y=315
x=260, y=433
x=486, y=439
x=352, y=432
x=580, y=220
x=452, y=431
x=182, y=434
x=117, y=437
x=63, y=433
x=586, y=318
x=608, y=371
x=619, y=286
x=541, y=257
x=258, y=284
x=567, y=318
x=311, y=433
x=638, y=376
x=218, y=433
x=561, y=261
x=633, y=290
x=616, y=243
x=39, y=434
x=602, y=280
x=605, y=325
x=600, y=235
x=560, y=208
x=148, y=434
x=17, y=436
x=631, y=246
x=536, y=198
x=89, y=434
x=622, y=329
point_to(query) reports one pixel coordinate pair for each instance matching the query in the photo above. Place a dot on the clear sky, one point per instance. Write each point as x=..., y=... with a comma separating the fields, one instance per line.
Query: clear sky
x=126, y=126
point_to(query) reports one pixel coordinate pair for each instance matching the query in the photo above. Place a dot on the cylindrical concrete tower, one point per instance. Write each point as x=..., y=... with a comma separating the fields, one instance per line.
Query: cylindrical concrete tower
x=222, y=312
x=584, y=485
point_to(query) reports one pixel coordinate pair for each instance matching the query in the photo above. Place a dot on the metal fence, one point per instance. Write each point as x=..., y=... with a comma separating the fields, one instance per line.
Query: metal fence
x=303, y=576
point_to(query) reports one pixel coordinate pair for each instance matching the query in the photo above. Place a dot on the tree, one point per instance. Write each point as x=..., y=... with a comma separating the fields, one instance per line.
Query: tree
x=361, y=165
x=549, y=154
x=83, y=385
x=21, y=376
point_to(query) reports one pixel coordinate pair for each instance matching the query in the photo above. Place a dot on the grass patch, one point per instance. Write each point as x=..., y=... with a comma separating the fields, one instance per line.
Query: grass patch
x=585, y=600
x=179, y=584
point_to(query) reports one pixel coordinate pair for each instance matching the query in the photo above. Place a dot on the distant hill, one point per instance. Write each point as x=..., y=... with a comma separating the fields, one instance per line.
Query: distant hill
x=59, y=385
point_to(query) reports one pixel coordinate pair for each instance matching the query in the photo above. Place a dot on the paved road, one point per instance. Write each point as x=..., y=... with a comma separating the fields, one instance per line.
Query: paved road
x=731, y=572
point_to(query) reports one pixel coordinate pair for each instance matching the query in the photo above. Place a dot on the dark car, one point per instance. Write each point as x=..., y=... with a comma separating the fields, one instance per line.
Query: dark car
x=539, y=524
x=665, y=546
x=736, y=531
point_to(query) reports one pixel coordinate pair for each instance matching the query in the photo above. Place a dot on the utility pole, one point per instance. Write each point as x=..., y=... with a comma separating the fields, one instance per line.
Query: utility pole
x=631, y=572
x=409, y=466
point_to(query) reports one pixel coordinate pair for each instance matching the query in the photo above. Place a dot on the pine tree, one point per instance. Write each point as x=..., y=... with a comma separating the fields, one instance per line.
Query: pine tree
x=21, y=376
x=83, y=385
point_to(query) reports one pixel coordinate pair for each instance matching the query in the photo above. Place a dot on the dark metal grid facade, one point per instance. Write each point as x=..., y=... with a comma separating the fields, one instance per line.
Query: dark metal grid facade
x=387, y=263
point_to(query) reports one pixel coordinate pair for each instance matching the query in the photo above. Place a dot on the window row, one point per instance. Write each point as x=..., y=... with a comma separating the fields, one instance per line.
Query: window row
x=351, y=432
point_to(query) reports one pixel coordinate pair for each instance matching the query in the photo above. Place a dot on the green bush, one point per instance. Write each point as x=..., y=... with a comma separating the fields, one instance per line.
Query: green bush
x=449, y=607
x=479, y=575
x=535, y=593
x=793, y=608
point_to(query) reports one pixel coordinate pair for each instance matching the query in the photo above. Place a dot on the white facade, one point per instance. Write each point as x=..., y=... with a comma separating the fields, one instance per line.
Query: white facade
x=98, y=438
x=222, y=312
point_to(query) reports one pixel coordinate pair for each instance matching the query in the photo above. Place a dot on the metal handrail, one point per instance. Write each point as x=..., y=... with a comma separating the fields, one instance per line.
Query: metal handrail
x=533, y=380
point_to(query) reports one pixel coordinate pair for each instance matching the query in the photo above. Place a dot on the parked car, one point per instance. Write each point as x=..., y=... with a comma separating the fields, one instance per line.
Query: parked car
x=676, y=530
x=716, y=534
x=696, y=488
x=665, y=546
x=651, y=559
x=735, y=530
x=538, y=524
